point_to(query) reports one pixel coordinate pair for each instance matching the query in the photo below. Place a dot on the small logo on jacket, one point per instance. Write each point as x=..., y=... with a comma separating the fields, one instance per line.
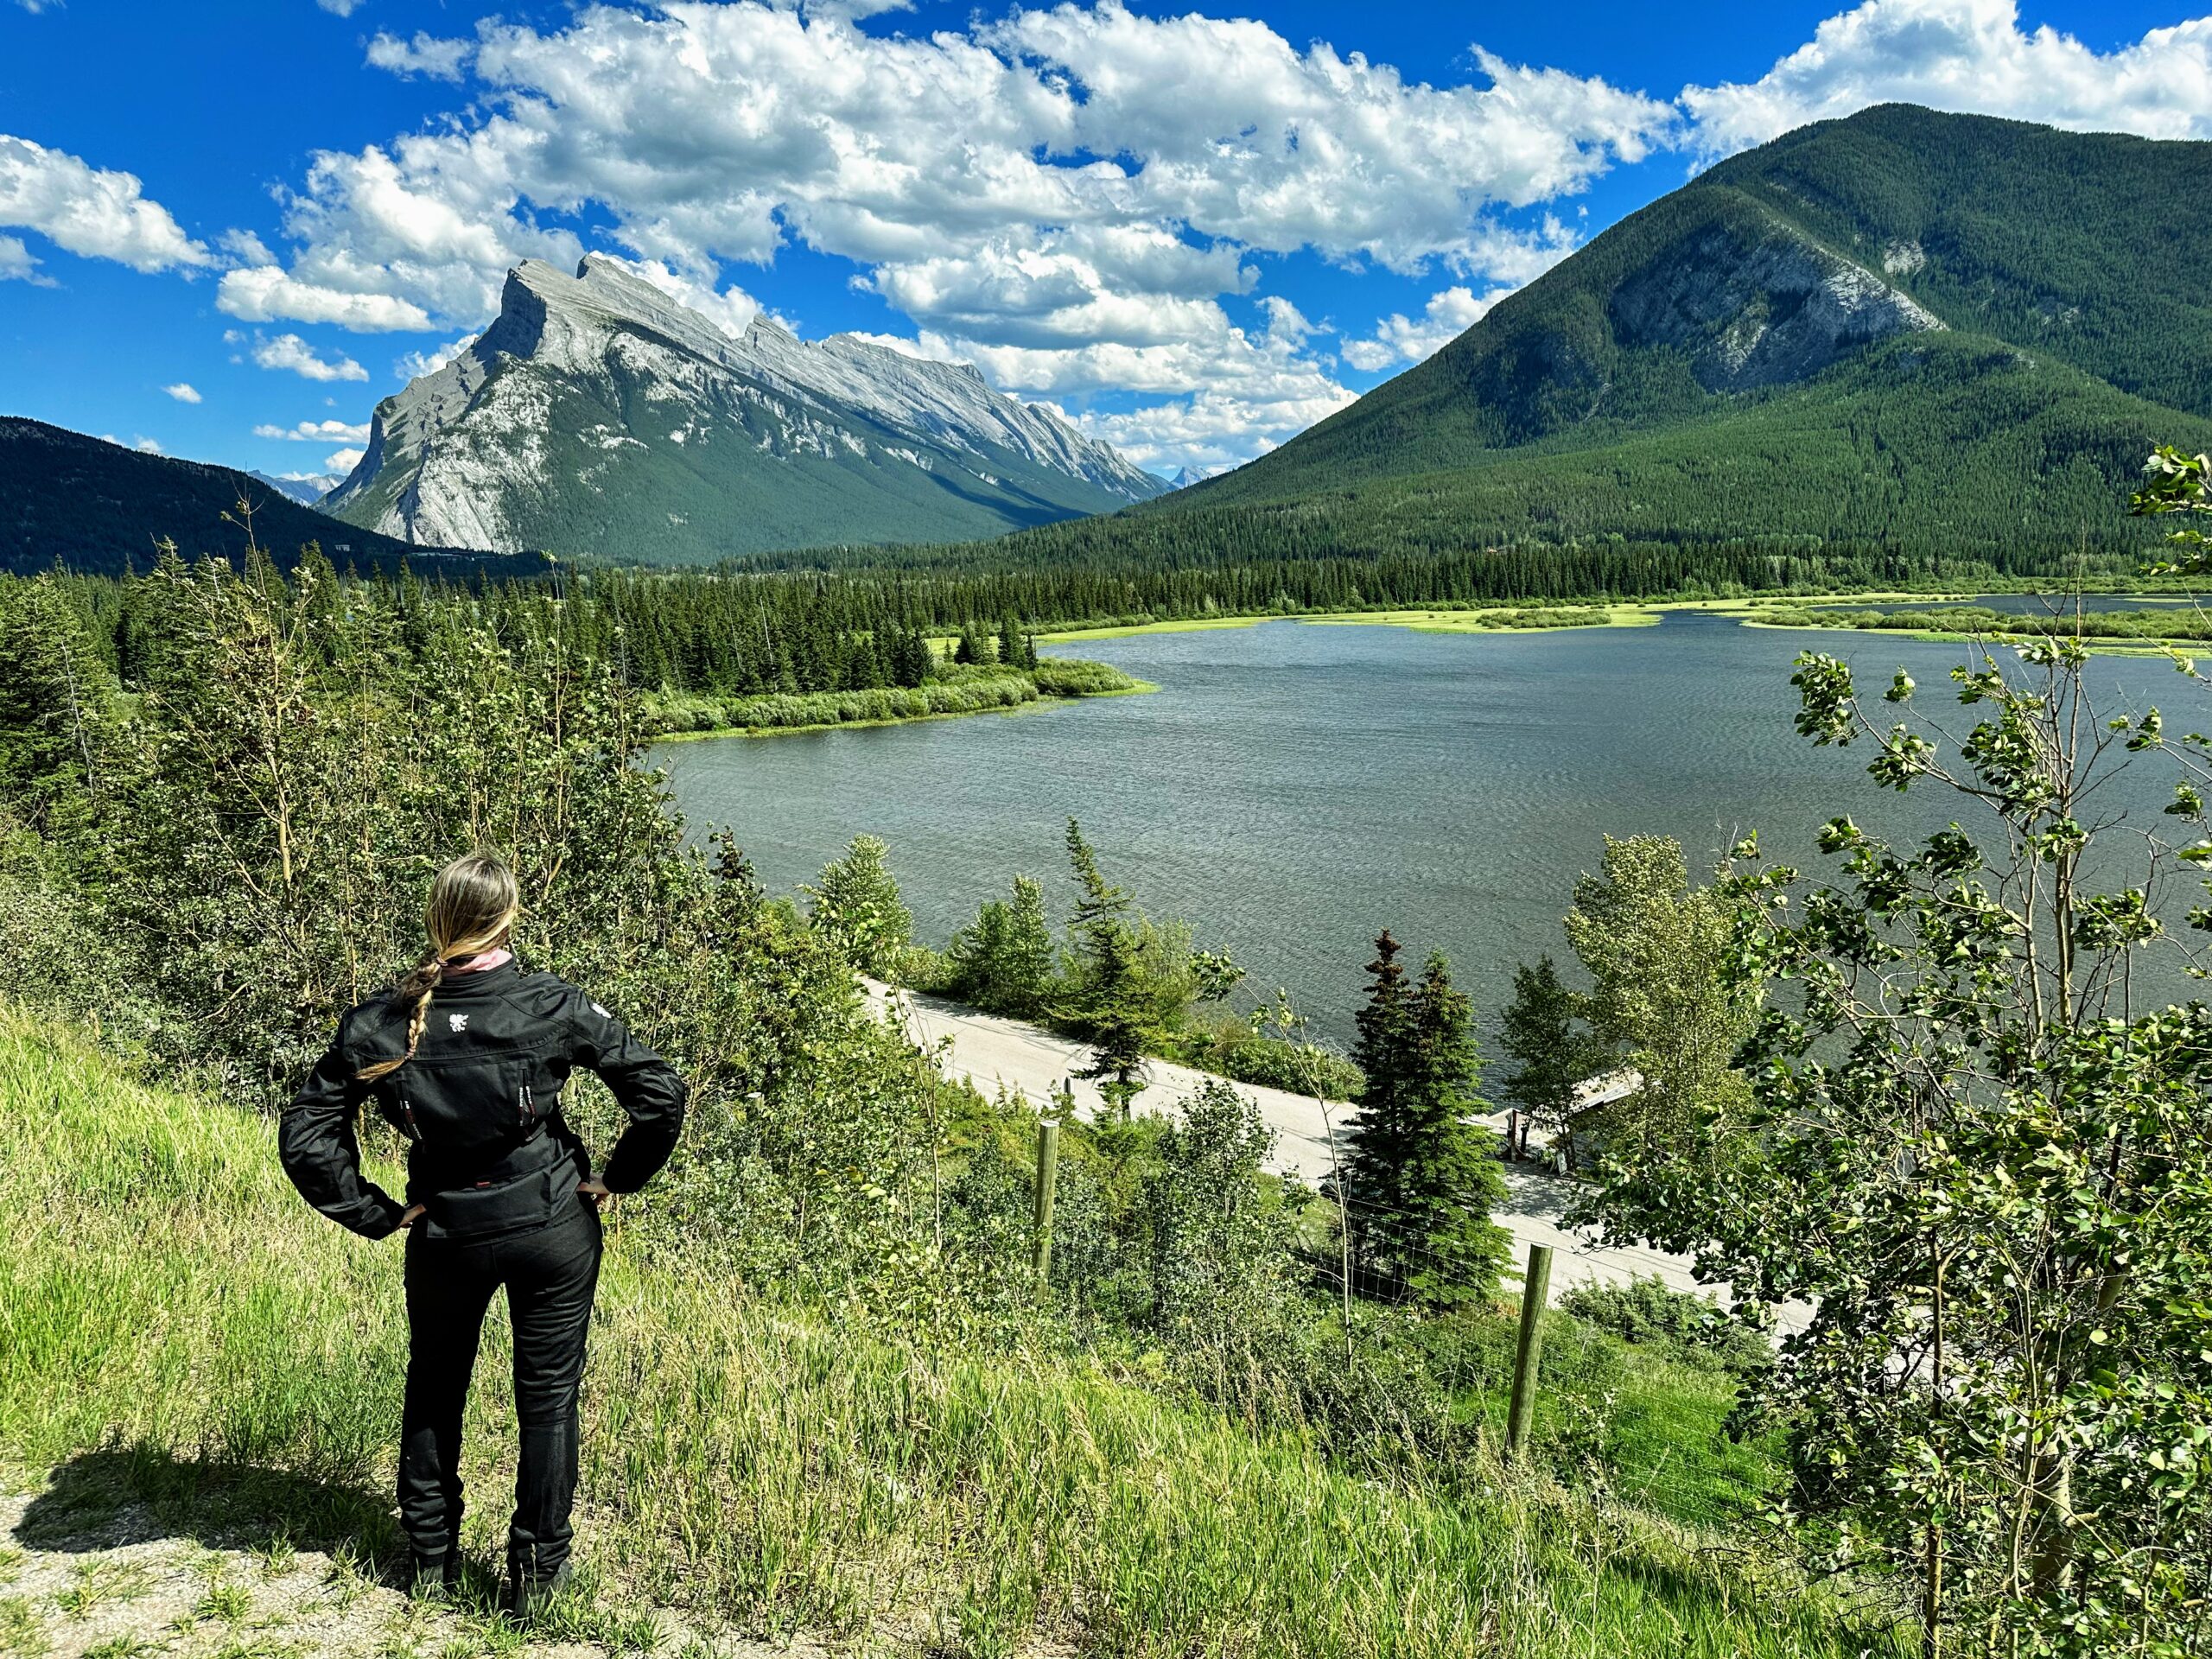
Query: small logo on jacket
x=458, y=1021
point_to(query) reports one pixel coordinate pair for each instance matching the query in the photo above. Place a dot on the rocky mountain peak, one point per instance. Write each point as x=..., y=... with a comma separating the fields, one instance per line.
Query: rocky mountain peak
x=594, y=392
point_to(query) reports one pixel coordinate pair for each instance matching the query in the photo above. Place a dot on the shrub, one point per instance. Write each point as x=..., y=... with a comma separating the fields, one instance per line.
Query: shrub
x=1230, y=1048
x=1647, y=1311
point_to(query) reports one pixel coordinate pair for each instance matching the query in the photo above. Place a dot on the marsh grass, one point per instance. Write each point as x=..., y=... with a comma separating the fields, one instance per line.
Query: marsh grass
x=180, y=1335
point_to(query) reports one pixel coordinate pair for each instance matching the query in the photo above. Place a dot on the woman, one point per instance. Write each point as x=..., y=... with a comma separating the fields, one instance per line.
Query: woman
x=467, y=1057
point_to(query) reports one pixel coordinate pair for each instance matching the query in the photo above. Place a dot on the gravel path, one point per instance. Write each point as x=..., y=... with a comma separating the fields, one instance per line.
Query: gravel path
x=1005, y=1055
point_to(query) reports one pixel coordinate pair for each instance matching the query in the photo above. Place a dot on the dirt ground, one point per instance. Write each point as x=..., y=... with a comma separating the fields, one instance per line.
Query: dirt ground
x=83, y=1579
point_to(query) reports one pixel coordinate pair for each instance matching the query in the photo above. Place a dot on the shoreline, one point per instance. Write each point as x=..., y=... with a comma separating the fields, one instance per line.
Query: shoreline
x=1619, y=614
x=1032, y=705
x=1944, y=637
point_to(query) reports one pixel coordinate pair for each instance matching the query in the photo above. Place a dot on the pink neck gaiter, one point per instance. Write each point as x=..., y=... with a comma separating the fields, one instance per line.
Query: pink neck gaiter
x=477, y=964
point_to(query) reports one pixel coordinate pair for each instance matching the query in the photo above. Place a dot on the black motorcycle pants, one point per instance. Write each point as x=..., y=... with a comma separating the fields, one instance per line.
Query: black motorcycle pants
x=551, y=1275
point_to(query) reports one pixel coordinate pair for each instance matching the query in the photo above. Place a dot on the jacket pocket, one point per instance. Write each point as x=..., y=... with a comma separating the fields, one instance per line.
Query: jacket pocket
x=537, y=1093
x=457, y=1104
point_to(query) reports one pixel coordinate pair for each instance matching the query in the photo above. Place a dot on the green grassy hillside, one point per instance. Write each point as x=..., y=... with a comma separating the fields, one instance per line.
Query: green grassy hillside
x=178, y=1333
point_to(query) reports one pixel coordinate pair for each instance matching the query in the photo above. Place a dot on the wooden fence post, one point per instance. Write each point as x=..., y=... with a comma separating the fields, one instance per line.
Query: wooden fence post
x=1048, y=1174
x=1535, y=1287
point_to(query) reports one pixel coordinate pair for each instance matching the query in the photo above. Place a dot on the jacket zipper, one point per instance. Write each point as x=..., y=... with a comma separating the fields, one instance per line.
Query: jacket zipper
x=407, y=1109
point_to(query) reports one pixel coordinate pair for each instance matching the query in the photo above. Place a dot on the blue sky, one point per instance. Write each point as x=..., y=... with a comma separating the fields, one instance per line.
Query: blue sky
x=1196, y=230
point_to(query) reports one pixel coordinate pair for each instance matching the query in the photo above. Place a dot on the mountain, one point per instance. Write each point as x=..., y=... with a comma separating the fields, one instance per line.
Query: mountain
x=306, y=490
x=98, y=506
x=1906, y=331
x=596, y=414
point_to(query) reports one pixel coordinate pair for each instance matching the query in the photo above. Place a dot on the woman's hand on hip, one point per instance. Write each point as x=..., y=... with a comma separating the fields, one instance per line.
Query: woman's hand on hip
x=595, y=1192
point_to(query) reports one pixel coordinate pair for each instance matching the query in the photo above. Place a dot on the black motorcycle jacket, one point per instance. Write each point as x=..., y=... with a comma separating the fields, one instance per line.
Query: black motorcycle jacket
x=479, y=1104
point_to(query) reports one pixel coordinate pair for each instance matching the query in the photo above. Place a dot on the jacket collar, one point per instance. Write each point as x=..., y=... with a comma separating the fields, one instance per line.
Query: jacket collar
x=484, y=982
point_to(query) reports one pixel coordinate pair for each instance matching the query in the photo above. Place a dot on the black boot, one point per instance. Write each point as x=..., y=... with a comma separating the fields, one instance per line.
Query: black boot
x=528, y=1594
x=433, y=1575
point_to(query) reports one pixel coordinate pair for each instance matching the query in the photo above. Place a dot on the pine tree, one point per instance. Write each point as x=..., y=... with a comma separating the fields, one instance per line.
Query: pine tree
x=1002, y=961
x=1106, y=1001
x=974, y=647
x=55, y=707
x=1381, y=1025
x=1010, y=643
x=1542, y=1030
x=1420, y=1178
x=856, y=904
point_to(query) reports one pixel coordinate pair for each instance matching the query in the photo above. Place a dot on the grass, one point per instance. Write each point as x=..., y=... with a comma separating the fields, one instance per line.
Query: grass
x=1619, y=612
x=1031, y=706
x=2139, y=633
x=177, y=1331
x=1126, y=631
x=229, y=1603
x=1498, y=620
x=676, y=716
x=98, y=1584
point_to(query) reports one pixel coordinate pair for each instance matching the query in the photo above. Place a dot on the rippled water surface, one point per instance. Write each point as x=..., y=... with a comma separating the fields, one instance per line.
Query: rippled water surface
x=1291, y=788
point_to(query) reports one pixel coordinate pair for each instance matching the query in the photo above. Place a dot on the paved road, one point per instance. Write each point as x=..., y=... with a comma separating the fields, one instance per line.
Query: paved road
x=1005, y=1056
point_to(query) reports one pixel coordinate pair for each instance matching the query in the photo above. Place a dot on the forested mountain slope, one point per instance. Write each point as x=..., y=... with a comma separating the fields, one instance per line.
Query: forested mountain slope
x=99, y=507
x=1903, y=331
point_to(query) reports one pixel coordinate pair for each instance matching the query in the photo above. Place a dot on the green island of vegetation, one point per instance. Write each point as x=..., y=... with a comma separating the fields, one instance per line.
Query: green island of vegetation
x=2182, y=625
x=887, y=677
x=950, y=690
x=1441, y=618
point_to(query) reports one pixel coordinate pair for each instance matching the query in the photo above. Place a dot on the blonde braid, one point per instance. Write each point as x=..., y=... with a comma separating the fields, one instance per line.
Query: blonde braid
x=420, y=982
x=472, y=910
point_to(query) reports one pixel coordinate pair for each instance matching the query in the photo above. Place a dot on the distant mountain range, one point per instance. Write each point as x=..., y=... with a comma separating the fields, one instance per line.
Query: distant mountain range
x=307, y=490
x=98, y=506
x=598, y=415
x=1931, y=333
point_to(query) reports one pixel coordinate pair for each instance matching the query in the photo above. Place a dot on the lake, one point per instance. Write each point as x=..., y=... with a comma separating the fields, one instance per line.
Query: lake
x=1291, y=788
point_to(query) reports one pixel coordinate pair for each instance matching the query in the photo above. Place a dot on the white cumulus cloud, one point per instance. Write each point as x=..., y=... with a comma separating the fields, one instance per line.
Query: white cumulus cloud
x=1400, y=339
x=246, y=247
x=316, y=432
x=341, y=461
x=1078, y=197
x=267, y=294
x=730, y=309
x=290, y=352
x=91, y=211
x=1050, y=194
x=1970, y=57
x=183, y=391
x=17, y=263
x=411, y=364
x=425, y=54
